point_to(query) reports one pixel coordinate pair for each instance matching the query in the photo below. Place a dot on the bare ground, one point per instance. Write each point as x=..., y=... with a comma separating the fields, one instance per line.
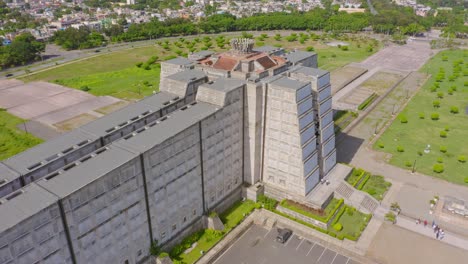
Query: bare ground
x=394, y=245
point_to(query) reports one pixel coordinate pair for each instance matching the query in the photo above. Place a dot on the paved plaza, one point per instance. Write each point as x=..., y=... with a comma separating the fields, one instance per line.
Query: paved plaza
x=258, y=246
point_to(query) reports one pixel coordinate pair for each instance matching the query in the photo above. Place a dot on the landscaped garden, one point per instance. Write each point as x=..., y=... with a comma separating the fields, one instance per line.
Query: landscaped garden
x=117, y=73
x=207, y=238
x=12, y=139
x=321, y=215
x=349, y=223
x=429, y=135
x=374, y=185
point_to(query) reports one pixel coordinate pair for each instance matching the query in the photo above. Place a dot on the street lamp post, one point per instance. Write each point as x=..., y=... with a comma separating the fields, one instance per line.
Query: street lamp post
x=414, y=166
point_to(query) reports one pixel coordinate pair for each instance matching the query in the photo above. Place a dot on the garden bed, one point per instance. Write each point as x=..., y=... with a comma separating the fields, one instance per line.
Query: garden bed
x=376, y=186
x=349, y=223
x=206, y=239
x=320, y=215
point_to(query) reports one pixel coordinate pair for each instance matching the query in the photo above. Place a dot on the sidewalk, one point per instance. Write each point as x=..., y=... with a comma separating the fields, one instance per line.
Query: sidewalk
x=449, y=238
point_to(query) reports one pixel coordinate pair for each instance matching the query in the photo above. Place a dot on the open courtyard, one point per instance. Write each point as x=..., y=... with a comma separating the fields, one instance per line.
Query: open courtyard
x=429, y=135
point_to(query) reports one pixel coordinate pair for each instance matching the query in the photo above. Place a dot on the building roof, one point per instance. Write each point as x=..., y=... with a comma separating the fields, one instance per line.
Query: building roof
x=151, y=103
x=187, y=75
x=298, y=55
x=22, y=161
x=7, y=173
x=201, y=54
x=288, y=83
x=225, y=63
x=30, y=201
x=167, y=128
x=180, y=61
x=224, y=84
x=68, y=182
x=266, y=49
x=309, y=71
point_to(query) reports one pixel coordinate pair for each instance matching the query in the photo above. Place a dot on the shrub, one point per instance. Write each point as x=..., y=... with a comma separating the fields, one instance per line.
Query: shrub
x=462, y=158
x=163, y=255
x=465, y=83
x=466, y=180
x=453, y=88
x=381, y=145
x=440, y=95
x=338, y=227
x=436, y=104
x=400, y=149
x=443, y=149
x=420, y=153
x=138, y=64
x=443, y=134
x=440, y=160
x=155, y=249
x=344, y=48
x=447, y=128
x=438, y=168
x=333, y=55
x=450, y=91
x=433, y=89
x=310, y=48
x=408, y=164
x=403, y=119
x=435, y=116
x=421, y=115
x=85, y=88
x=454, y=110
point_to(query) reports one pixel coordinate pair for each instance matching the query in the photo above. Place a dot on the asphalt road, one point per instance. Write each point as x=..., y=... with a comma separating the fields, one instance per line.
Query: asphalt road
x=258, y=246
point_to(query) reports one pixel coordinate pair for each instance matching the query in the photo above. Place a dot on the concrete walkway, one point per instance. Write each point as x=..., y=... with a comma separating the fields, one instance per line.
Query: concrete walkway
x=449, y=238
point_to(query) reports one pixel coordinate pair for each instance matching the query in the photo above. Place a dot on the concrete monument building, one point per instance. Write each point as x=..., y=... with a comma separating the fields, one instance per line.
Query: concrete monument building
x=151, y=171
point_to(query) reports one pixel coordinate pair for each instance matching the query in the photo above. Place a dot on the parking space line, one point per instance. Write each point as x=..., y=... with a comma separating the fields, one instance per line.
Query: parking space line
x=325, y=249
x=347, y=261
x=336, y=254
x=267, y=233
x=300, y=243
x=291, y=238
x=311, y=249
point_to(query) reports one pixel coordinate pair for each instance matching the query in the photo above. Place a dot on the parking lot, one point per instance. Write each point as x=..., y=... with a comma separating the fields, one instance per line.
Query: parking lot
x=258, y=246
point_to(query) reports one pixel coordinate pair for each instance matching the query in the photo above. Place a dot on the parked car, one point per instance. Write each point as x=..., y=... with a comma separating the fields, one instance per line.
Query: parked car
x=283, y=235
x=9, y=75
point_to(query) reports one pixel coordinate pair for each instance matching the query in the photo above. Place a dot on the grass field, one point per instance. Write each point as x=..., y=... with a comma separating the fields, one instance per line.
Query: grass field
x=376, y=186
x=420, y=130
x=13, y=140
x=115, y=73
x=353, y=223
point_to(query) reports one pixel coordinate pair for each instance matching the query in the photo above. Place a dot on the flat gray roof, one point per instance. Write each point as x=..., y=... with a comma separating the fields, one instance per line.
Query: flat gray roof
x=85, y=173
x=224, y=84
x=309, y=71
x=187, y=75
x=23, y=160
x=29, y=202
x=151, y=103
x=288, y=83
x=298, y=55
x=175, y=123
x=266, y=49
x=7, y=173
x=180, y=61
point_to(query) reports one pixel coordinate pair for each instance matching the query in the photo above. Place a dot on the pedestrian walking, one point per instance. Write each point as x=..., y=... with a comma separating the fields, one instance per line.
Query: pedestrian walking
x=437, y=235
x=425, y=223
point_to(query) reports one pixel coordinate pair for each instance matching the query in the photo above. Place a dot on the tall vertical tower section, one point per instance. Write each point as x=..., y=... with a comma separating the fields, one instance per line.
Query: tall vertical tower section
x=322, y=101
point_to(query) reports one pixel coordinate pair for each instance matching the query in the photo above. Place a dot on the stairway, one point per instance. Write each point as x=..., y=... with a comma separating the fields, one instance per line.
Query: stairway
x=370, y=204
x=344, y=190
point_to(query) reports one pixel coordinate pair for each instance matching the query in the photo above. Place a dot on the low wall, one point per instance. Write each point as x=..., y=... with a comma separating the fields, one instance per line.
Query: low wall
x=302, y=217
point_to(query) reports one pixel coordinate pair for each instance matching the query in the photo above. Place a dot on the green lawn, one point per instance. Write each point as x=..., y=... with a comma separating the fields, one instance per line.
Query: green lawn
x=208, y=238
x=413, y=137
x=13, y=140
x=376, y=186
x=353, y=223
x=129, y=83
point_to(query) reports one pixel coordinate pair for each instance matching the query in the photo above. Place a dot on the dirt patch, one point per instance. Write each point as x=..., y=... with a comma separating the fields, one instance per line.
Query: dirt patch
x=341, y=77
x=337, y=43
x=381, y=81
x=75, y=122
x=393, y=244
x=111, y=108
x=304, y=207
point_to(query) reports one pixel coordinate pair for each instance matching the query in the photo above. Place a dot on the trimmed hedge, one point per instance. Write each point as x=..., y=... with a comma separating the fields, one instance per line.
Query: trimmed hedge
x=367, y=102
x=363, y=182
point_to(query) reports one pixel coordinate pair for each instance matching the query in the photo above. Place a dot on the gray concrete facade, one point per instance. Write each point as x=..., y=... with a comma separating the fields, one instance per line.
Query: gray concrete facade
x=151, y=171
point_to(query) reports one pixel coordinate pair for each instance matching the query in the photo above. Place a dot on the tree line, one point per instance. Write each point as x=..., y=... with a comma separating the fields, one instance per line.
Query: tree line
x=23, y=49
